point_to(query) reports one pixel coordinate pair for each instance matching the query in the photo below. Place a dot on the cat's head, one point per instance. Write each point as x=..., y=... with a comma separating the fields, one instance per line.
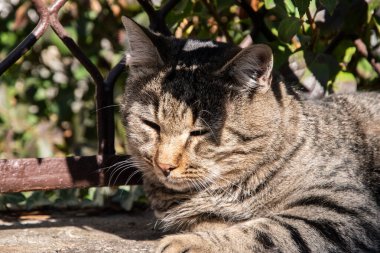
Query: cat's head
x=181, y=98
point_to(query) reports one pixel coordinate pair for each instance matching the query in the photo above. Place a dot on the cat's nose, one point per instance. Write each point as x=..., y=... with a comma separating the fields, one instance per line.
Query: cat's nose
x=166, y=167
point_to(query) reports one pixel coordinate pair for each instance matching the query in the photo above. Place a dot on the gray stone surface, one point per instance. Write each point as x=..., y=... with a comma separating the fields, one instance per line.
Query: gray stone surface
x=78, y=233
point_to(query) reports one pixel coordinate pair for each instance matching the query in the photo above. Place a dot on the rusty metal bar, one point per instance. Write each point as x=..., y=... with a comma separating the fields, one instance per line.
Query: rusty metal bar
x=17, y=175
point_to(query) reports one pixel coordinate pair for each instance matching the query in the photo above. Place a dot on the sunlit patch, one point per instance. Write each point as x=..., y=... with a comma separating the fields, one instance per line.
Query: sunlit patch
x=185, y=67
x=192, y=45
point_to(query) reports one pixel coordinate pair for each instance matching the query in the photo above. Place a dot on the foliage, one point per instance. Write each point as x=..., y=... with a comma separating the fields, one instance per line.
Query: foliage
x=122, y=197
x=328, y=46
x=46, y=98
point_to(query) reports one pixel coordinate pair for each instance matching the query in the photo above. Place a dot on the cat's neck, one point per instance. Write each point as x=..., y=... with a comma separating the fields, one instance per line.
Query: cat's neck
x=273, y=121
x=275, y=113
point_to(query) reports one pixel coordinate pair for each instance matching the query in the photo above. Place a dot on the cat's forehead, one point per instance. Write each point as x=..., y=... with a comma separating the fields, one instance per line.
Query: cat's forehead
x=176, y=98
x=186, y=85
x=181, y=89
x=174, y=113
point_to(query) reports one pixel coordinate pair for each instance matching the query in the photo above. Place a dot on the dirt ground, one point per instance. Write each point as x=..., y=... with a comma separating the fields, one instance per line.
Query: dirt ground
x=78, y=232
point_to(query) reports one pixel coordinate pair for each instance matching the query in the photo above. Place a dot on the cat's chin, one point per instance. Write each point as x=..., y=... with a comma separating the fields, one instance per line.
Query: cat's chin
x=176, y=184
x=177, y=181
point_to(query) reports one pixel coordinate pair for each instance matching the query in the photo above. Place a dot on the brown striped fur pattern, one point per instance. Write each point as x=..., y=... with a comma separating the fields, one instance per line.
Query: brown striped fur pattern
x=238, y=162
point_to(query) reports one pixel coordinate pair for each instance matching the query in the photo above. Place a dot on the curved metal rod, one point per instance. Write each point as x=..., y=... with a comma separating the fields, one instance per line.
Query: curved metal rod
x=114, y=73
x=30, y=40
x=74, y=49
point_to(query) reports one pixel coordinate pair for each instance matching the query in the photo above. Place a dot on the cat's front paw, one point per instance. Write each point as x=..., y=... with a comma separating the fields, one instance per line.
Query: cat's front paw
x=185, y=243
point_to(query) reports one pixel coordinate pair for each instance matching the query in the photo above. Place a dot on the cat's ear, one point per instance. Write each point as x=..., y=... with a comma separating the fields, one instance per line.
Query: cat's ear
x=251, y=68
x=143, y=56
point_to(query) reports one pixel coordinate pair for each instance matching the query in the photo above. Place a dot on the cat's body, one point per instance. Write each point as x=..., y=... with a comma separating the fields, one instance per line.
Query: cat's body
x=240, y=161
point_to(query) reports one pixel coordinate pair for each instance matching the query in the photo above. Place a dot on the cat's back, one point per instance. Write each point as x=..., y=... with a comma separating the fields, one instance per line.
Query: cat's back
x=361, y=111
x=358, y=112
x=364, y=106
x=353, y=122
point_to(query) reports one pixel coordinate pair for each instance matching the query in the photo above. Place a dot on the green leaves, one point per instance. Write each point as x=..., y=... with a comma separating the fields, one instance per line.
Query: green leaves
x=345, y=82
x=323, y=55
x=288, y=28
x=372, y=6
x=365, y=70
x=269, y=4
x=302, y=6
x=313, y=71
x=289, y=7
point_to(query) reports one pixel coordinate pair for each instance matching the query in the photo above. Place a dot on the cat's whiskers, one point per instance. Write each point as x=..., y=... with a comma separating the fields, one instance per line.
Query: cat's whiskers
x=212, y=132
x=195, y=102
x=124, y=169
x=259, y=204
x=234, y=196
x=203, y=185
x=127, y=164
x=156, y=224
x=218, y=176
x=117, y=168
x=189, y=186
x=119, y=171
x=229, y=183
x=130, y=177
x=105, y=107
x=113, y=165
x=206, y=112
x=150, y=97
x=121, y=163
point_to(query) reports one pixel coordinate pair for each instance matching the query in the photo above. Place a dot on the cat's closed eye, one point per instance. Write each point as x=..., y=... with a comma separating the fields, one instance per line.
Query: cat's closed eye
x=151, y=124
x=198, y=132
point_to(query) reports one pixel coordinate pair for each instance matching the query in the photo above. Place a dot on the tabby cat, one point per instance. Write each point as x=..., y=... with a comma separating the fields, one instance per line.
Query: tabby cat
x=238, y=162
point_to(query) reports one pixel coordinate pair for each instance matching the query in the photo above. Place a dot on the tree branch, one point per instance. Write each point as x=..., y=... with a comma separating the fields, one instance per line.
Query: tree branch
x=157, y=17
x=314, y=29
x=168, y=7
x=257, y=21
x=148, y=8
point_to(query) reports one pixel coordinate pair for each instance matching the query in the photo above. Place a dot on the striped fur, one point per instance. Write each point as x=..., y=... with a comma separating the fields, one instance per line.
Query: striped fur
x=252, y=168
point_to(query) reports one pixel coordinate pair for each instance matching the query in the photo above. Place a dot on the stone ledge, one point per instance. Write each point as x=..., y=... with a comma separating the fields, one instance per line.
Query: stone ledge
x=64, y=233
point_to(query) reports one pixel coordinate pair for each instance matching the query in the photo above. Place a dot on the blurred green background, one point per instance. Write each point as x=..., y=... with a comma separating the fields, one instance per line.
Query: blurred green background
x=47, y=97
